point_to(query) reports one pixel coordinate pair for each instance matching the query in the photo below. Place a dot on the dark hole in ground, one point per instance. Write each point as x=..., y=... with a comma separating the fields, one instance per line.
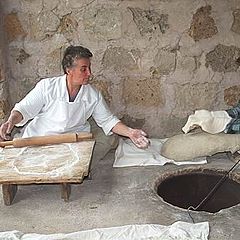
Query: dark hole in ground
x=189, y=189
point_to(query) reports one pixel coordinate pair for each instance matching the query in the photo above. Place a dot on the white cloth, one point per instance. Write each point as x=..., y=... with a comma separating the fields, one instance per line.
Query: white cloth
x=127, y=154
x=52, y=113
x=178, y=230
x=210, y=121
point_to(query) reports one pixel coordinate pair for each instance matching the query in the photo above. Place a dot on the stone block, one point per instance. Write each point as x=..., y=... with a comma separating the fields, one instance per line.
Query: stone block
x=43, y=27
x=203, y=25
x=191, y=97
x=103, y=23
x=164, y=62
x=121, y=60
x=13, y=27
x=4, y=108
x=50, y=64
x=103, y=87
x=68, y=26
x=148, y=21
x=223, y=58
x=143, y=92
x=232, y=95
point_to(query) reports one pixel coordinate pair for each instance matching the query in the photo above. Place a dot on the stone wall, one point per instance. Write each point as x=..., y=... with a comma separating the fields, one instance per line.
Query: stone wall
x=155, y=61
x=4, y=104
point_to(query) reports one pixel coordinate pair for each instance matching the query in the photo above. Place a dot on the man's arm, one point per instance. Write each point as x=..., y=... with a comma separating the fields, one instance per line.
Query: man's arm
x=138, y=136
x=106, y=120
x=25, y=110
x=6, y=128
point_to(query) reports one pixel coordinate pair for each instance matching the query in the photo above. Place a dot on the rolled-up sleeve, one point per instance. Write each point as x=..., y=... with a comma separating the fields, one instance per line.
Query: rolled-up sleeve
x=103, y=116
x=31, y=104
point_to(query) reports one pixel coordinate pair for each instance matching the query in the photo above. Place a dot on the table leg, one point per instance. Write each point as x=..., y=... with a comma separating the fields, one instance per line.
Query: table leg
x=9, y=192
x=65, y=191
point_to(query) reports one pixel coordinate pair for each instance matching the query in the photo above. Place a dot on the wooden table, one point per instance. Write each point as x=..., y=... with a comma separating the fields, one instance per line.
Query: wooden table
x=61, y=163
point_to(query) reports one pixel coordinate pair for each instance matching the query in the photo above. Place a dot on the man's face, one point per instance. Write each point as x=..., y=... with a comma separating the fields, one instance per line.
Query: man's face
x=80, y=73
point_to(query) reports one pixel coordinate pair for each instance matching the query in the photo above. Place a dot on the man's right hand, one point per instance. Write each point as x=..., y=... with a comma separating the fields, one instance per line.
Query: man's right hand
x=7, y=127
x=5, y=130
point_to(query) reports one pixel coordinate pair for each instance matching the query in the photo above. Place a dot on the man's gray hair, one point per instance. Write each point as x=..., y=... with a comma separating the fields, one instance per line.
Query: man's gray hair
x=72, y=53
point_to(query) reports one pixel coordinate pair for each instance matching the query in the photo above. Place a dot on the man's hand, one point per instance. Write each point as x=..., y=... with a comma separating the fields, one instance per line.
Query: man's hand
x=6, y=129
x=139, y=138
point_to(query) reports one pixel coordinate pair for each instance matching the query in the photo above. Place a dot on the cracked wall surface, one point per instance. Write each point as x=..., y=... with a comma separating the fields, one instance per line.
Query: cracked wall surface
x=155, y=61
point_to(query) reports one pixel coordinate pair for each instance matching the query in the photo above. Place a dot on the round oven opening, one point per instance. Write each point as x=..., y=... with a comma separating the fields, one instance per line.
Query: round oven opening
x=190, y=188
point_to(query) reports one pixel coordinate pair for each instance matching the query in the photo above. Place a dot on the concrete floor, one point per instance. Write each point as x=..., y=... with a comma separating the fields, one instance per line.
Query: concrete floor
x=113, y=197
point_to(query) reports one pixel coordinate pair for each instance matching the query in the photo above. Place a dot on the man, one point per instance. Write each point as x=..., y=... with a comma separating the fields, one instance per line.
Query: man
x=65, y=103
x=234, y=126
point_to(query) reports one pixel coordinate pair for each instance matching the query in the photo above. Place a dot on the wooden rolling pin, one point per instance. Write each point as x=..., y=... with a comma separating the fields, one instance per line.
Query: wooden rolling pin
x=44, y=140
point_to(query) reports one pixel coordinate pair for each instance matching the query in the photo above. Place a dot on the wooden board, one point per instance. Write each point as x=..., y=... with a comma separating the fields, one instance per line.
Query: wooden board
x=60, y=163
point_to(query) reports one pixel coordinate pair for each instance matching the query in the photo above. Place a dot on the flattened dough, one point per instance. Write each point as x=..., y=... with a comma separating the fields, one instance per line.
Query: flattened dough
x=188, y=146
x=210, y=121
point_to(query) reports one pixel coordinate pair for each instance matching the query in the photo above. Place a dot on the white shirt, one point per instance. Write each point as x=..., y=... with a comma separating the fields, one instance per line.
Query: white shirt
x=51, y=112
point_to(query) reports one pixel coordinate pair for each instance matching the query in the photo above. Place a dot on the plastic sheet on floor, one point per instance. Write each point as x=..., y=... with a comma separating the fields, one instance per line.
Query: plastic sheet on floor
x=177, y=231
x=127, y=155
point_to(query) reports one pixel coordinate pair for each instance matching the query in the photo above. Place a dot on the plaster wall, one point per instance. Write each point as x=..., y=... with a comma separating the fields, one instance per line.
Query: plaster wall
x=155, y=61
x=4, y=104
